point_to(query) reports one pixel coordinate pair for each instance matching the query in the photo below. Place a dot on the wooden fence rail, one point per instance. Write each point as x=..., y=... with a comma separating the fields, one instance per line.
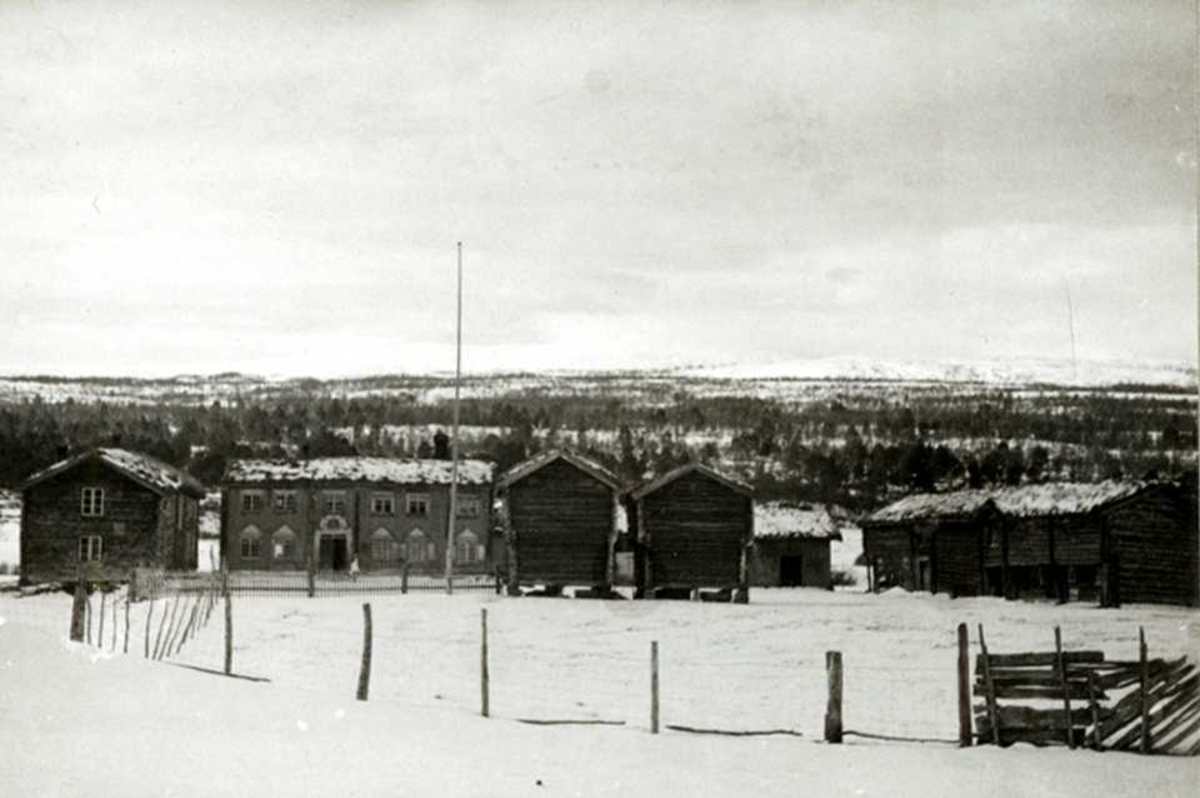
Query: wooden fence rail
x=1148, y=705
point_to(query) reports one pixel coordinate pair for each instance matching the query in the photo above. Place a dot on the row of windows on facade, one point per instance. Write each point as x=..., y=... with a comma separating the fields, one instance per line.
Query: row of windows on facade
x=334, y=503
x=384, y=548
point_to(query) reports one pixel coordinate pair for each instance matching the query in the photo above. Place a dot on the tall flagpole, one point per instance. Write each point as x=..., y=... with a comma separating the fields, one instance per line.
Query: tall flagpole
x=454, y=436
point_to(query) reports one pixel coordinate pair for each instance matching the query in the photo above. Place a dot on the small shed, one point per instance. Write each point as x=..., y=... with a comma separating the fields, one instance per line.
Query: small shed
x=693, y=529
x=791, y=545
x=560, y=514
x=109, y=510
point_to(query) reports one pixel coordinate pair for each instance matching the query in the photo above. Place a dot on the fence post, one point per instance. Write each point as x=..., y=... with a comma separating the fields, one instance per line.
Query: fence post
x=160, y=642
x=1143, y=655
x=113, y=645
x=483, y=663
x=404, y=580
x=1062, y=680
x=78, y=609
x=364, y=671
x=149, y=620
x=654, y=687
x=833, y=709
x=964, y=687
x=228, y=624
x=312, y=581
x=87, y=611
x=1095, y=707
x=103, y=609
x=990, y=687
x=126, y=646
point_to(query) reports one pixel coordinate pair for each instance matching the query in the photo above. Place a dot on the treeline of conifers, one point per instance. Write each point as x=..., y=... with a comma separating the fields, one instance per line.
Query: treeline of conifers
x=857, y=450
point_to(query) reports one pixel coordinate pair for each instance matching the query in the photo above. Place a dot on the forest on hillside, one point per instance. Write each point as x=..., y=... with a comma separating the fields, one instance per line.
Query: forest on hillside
x=855, y=445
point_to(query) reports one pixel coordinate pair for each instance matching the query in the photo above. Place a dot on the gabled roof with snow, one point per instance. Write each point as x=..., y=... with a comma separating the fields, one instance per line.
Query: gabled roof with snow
x=779, y=520
x=1024, y=501
x=143, y=469
x=399, y=471
x=666, y=479
x=536, y=463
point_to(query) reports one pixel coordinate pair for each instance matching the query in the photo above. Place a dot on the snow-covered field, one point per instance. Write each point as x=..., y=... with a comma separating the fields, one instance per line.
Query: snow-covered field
x=753, y=667
x=82, y=724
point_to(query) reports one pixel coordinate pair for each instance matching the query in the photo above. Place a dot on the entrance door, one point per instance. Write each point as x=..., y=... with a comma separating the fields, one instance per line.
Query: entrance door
x=924, y=574
x=791, y=570
x=333, y=553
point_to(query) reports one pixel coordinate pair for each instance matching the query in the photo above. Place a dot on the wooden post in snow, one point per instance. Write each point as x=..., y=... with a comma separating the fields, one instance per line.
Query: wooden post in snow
x=158, y=639
x=126, y=646
x=833, y=707
x=483, y=664
x=149, y=620
x=654, y=687
x=228, y=626
x=113, y=645
x=1143, y=656
x=1066, y=689
x=964, y=687
x=103, y=609
x=364, y=671
x=990, y=687
x=404, y=579
x=88, y=621
x=79, y=609
x=1094, y=705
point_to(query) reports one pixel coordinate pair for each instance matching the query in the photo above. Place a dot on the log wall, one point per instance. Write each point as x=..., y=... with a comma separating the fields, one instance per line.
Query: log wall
x=1155, y=546
x=695, y=529
x=814, y=553
x=562, y=526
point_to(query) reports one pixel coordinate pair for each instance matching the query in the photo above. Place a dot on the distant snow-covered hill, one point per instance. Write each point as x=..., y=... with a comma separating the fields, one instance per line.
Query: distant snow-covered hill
x=1064, y=372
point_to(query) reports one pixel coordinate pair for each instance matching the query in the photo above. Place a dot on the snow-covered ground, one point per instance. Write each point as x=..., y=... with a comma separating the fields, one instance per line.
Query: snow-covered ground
x=81, y=724
x=150, y=728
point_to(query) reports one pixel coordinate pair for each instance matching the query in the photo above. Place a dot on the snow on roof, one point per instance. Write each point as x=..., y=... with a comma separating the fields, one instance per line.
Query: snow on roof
x=779, y=520
x=1063, y=498
x=655, y=484
x=1024, y=501
x=142, y=468
x=360, y=469
x=522, y=470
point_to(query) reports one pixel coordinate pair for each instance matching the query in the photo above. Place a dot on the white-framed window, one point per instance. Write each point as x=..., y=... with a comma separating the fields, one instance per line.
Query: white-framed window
x=468, y=507
x=416, y=504
x=283, y=544
x=286, y=501
x=91, y=547
x=384, y=548
x=383, y=504
x=251, y=539
x=467, y=548
x=419, y=548
x=252, y=501
x=333, y=502
x=91, y=503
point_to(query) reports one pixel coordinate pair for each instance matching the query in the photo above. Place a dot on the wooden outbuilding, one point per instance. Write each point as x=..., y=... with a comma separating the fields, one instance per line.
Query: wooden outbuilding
x=1109, y=542
x=693, y=529
x=791, y=545
x=560, y=515
x=108, y=511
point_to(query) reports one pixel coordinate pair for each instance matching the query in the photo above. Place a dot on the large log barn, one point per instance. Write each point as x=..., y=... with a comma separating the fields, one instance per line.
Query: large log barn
x=108, y=510
x=560, y=522
x=389, y=513
x=1109, y=542
x=693, y=529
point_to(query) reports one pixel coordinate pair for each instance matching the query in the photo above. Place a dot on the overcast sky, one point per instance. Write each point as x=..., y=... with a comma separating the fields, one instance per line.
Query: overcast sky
x=278, y=187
